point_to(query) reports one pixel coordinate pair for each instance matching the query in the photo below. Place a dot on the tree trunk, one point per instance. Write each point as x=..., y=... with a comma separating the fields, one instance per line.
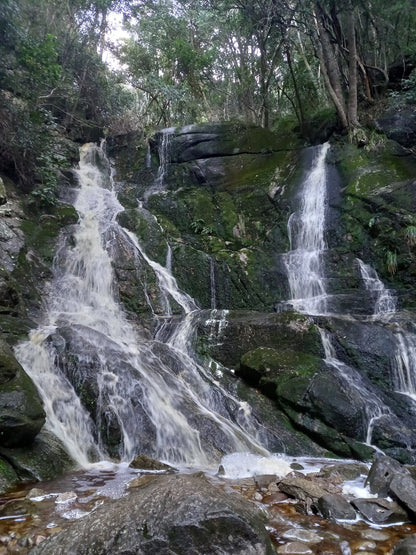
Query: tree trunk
x=352, y=68
x=330, y=68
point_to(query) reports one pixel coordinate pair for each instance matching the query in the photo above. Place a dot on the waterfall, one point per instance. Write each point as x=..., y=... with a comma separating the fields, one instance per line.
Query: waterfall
x=164, y=161
x=307, y=243
x=213, y=287
x=384, y=302
x=373, y=407
x=149, y=396
x=307, y=283
x=404, y=360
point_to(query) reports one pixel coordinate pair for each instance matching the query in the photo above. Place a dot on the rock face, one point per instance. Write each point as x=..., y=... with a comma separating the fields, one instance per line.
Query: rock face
x=169, y=514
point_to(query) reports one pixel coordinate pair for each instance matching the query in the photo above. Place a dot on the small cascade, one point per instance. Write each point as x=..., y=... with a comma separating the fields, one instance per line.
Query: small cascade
x=307, y=243
x=152, y=396
x=384, y=301
x=373, y=408
x=148, y=157
x=164, y=160
x=213, y=286
x=405, y=363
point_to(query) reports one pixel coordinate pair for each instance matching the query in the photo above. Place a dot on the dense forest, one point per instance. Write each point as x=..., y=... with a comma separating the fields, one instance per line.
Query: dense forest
x=316, y=66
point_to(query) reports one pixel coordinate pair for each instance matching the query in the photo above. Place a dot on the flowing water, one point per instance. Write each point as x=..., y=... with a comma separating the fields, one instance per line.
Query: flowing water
x=307, y=283
x=306, y=227
x=384, y=301
x=153, y=396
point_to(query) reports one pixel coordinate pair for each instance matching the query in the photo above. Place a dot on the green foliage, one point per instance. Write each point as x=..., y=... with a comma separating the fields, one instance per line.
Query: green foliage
x=391, y=262
x=199, y=227
x=410, y=235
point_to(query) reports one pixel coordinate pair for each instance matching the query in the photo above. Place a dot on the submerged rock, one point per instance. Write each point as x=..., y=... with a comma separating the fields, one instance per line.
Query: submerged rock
x=169, y=514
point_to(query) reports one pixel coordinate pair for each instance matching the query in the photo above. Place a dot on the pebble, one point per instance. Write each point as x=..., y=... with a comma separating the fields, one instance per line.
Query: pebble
x=374, y=535
x=297, y=548
x=66, y=497
x=35, y=492
x=302, y=535
x=258, y=496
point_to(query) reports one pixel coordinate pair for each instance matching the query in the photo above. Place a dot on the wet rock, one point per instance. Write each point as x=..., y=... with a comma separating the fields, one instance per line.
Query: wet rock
x=298, y=548
x=66, y=497
x=171, y=514
x=375, y=535
x=400, y=125
x=44, y=459
x=3, y=194
x=302, y=489
x=380, y=511
x=407, y=546
x=335, y=507
x=22, y=415
x=381, y=474
x=144, y=462
x=342, y=472
x=302, y=535
x=403, y=488
x=263, y=481
x=35, y=492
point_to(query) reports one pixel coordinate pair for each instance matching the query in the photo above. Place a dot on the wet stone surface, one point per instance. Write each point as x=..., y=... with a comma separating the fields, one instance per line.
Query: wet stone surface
x=32, y=514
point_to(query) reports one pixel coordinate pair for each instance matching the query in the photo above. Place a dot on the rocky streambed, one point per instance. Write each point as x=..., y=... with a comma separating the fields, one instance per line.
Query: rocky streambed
x=316, y=507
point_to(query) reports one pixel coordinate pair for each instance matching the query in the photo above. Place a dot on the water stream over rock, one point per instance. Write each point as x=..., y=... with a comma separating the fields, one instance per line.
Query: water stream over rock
x=150, y=396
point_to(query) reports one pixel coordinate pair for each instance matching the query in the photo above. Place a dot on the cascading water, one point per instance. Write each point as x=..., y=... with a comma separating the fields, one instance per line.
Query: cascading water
x=384, y=301
x=404, y=362
x=307, y=242
x=164, y=159
x=307, y=283
x=150, y=396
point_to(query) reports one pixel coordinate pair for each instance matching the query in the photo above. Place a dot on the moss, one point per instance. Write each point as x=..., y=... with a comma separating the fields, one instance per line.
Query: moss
x=8, y=476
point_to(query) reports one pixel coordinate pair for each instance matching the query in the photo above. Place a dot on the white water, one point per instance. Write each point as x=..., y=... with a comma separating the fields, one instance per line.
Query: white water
x=154, y=393
x=384, y=301
x=164, y=160
x=373, y=407
x=307, y=242
x=404, y=360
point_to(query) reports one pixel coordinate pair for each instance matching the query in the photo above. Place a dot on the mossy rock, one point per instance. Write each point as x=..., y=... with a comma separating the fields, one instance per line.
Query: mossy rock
x=44, y=459
x=245, y=331
x=266, y=368
x=21, y=412
x=8, y=476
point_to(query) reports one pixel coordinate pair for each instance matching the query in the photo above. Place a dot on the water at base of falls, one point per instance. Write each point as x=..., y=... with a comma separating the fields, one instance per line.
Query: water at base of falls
x=109, y=392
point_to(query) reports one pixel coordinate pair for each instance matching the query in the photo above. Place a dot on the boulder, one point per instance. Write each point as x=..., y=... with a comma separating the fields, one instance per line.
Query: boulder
x=22, y=415
x=381, y=474
x=407, y=546
x=302, y=488
x=403, y=488
x=335, y=507
x=400, y=125
x=169, y=514
x=143, y=462
x=44, y=459
x=380, y=511
x=343, y=471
